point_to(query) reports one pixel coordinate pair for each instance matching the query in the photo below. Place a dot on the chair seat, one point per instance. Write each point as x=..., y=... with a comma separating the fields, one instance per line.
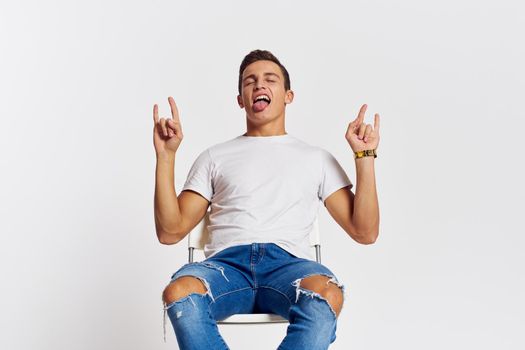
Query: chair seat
x=253, y=318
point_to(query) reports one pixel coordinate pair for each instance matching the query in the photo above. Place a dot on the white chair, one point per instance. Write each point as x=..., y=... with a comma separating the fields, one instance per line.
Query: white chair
x=199, y=236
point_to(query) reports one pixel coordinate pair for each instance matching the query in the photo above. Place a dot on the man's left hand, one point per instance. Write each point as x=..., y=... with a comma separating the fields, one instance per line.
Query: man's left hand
x=361, y=136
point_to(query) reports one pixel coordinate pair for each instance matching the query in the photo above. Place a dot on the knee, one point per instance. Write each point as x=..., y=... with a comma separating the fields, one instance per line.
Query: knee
x=182, y=287
x=329, y=291
x=334, y=296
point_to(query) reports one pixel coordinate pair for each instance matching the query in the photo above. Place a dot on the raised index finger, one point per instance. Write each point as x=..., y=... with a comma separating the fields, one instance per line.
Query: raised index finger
x=155, y=113
x=174, y=110
x=360, y=116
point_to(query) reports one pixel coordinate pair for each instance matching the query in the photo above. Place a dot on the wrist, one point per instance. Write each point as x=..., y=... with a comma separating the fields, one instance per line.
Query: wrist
x=166, y=156
x=364, y=161
x=368, y=153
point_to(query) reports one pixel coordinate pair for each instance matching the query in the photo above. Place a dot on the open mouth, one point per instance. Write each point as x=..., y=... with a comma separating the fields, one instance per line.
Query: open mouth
x=260, y=103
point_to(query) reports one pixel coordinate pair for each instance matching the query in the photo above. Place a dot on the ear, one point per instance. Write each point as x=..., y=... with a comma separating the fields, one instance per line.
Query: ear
x=288, y=97
x=239, y=101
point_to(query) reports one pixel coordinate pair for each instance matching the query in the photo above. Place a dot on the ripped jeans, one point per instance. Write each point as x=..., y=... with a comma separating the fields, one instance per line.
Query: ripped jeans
x=253, y=278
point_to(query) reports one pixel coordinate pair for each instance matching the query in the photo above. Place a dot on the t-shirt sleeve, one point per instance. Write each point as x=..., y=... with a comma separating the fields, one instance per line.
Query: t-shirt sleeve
x=333, y=176
x=200, y=176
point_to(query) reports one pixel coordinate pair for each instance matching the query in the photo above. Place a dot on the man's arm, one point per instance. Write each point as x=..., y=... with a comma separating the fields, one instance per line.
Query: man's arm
x=167, y=214
x=175, y=216
x=358, y=214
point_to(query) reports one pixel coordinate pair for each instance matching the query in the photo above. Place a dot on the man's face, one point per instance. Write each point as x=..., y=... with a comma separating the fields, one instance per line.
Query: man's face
x=263, y=95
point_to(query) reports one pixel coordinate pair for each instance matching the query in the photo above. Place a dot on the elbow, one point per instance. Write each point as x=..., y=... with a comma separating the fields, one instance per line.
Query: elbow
x=368, y=237
x=367, y=241
x=163, y=240
x=168, y=238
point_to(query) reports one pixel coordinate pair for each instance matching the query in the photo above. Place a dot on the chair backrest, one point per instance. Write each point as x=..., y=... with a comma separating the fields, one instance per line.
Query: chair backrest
x=198, y=237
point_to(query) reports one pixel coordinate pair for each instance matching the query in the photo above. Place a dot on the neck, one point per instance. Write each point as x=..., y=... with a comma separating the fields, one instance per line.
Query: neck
x=273, y=127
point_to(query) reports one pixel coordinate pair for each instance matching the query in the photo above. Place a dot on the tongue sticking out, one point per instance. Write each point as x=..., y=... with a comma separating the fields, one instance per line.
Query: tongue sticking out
x=260, y=105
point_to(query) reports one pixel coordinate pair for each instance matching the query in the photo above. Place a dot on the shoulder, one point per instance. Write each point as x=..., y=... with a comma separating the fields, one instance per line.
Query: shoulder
x=209, y=153
x=307, y=147
x=222, y=146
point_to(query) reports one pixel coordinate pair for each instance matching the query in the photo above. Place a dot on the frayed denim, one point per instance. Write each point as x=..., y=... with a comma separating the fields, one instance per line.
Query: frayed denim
x=253, y=278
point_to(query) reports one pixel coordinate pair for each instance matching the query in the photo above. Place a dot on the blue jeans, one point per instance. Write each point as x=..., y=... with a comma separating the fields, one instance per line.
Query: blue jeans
x=253, y=278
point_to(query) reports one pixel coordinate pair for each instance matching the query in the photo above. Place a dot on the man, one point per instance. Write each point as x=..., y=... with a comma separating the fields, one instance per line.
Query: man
x=264, y=189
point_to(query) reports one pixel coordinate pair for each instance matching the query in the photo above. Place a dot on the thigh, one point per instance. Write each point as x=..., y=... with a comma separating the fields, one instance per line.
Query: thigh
x=230, y=290
x=280, y=284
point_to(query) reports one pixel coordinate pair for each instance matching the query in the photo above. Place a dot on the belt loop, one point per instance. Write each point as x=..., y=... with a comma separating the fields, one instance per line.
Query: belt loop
x=255, y=251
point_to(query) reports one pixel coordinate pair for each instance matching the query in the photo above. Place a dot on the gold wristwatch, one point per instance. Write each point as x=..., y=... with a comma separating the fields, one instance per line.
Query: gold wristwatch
x=365, y=153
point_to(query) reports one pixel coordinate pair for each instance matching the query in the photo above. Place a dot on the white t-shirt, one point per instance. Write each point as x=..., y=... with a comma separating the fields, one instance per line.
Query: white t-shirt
x=264, y=189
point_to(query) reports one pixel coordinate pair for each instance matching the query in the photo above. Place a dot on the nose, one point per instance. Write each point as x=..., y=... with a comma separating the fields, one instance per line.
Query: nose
x=258, y=84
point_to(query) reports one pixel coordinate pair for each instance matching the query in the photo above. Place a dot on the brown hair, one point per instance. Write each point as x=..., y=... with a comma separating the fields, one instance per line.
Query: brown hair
x=259, y=55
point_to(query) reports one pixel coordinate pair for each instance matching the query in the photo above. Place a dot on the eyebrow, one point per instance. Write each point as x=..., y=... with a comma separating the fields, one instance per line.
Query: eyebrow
x=266, y=74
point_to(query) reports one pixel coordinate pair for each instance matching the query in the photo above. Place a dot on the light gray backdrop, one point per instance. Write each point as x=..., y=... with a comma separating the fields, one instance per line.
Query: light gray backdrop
x=81, y=267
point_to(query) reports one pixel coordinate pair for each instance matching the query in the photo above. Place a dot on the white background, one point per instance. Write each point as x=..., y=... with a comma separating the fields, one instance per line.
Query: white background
x=81, y=267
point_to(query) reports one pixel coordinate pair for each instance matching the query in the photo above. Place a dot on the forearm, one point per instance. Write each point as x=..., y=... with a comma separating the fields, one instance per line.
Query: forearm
x=365, y=214
x=167, y=211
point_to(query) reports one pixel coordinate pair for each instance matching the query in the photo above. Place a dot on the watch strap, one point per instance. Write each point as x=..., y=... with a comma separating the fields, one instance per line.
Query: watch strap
x=365, y=153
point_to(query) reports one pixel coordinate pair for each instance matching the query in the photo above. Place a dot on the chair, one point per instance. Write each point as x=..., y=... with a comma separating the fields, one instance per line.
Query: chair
x=199, y=236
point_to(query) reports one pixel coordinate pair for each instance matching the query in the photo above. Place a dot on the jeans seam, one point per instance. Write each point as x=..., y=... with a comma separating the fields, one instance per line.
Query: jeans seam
x=278, y=291
x=252, y=265
x=232, y=291
x=213, y=318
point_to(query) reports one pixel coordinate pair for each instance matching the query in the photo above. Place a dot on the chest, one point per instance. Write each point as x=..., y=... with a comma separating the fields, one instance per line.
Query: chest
x=272, y=171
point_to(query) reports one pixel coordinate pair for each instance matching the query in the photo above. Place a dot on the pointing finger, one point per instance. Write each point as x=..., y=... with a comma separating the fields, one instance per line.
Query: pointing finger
x=361, y=115
x=359, y=119
x=155, y=113
x=174, y=110
x=356, y=120
x=376, y=122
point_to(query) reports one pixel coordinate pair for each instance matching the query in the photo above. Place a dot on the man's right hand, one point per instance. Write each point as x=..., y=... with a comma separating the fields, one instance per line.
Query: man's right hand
x=167, y=132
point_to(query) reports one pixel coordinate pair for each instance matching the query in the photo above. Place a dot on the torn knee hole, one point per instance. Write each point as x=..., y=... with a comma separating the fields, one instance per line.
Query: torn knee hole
x=183, y=286
x=317, y=284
